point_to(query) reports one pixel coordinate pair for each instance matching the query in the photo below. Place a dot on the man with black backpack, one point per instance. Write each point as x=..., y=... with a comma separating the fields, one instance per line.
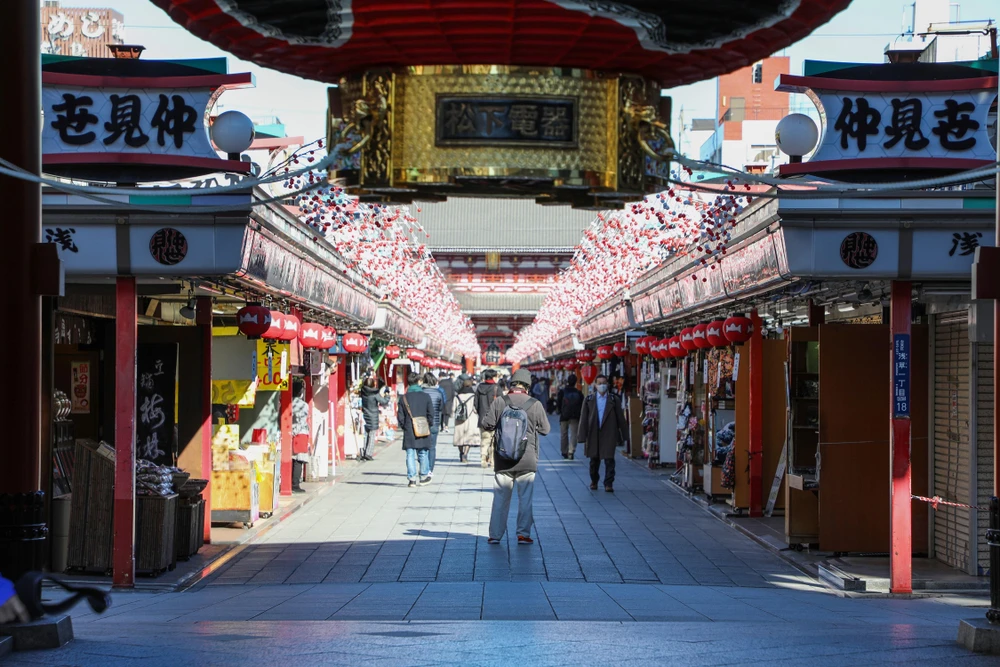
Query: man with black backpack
x=570, y=405
x=517, y=421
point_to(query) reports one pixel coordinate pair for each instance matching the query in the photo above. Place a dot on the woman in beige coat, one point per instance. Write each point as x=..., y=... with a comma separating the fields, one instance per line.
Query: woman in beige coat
x=466, y=432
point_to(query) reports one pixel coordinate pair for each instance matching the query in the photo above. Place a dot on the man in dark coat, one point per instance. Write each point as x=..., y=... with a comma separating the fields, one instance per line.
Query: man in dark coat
x=520, y=473
x=486, y=394
x=602, y=429
x=448, y=386
x=371, y=399
x=415, y=403
x=570, y=403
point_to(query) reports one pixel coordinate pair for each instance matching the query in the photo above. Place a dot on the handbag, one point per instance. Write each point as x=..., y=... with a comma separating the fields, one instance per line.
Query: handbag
x=421, y=427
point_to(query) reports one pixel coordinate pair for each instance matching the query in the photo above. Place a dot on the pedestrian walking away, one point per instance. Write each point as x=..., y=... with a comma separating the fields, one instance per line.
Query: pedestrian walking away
x=486, y=395
x=437, y=403
x=415, y=415
x=570, y=403
x=602, y=429
x=371, y=399
x=466, y=420
x=300, y=435
x=517, y=420
x=448, y=386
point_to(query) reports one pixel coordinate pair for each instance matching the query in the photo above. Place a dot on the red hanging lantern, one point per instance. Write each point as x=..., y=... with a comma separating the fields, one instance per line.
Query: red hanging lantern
x=620, y=349
x=677, y=349
x=698, y=336
x=413, y=354
x=642, y=346
x=687, y=339
x=253, y=320
x=654, y=347
x=328, y=338
x=355, y=343
x=290, y=326
x=392, y=352
x=589, y=373
x=429, y=363
x=277, y=326
x=570, y=364
x=738, y=329
x=605, y=352
x=713, y=334
x=665, y=352
x=311, y=335
x=586, y=356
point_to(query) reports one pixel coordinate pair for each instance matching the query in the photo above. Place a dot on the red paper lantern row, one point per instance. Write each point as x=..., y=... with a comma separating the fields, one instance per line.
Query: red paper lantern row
x=586, y=356
x=392, y=352
x=311, y=335
x=698, y=336
x=355, y=343
x=713, y=334
x=642, y=346
x=663, y=348
x=277, y=326
x=620, y=349
x=413, y=354
x=253, y=320
x=687, y=339
x=605, y=352
x=738, y=329
x=589, y=373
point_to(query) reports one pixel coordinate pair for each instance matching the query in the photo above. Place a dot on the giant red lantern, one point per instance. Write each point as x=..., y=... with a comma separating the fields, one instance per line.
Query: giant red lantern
x=738, y=329
x=698, y=336
x=605, y=352
x=355, y=343
x=392, y=352
x=687, y=339
x=311, y=335
x=290, y=326
x=677, y=349
x=714, y=335
x=253, y=320
x=413, y=354
x=620, y=349
x=589, y=373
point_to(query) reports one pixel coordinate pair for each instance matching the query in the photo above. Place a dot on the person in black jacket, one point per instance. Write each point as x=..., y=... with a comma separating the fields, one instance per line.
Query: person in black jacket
x=371, y=399
x=415, y=403
x=447, y=385
x=602, y=429
x=570, y=404
x=486, y=394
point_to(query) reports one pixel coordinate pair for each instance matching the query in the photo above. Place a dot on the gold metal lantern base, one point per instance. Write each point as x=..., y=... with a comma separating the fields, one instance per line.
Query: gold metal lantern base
x=561, y=136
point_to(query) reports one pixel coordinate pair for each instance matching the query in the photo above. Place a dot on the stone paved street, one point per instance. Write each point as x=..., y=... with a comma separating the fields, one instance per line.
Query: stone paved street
x=373, y=570
x=373, y=529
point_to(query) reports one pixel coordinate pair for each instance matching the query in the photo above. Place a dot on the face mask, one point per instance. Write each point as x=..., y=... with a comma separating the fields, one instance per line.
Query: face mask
x=602, y=389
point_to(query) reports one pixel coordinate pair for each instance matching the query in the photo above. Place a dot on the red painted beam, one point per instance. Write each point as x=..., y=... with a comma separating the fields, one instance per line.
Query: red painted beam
x=204, y=321
x=756, y=448
x=285, y=425
x=900, y=503
x=126, y=333
x=342, y=402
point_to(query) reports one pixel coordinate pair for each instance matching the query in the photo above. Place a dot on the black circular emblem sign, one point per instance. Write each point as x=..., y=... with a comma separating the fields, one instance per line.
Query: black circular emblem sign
x=859, y=250
x=168, y=246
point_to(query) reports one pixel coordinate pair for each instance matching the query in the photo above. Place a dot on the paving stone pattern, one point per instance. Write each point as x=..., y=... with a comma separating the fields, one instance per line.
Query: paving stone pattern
x=372, y=528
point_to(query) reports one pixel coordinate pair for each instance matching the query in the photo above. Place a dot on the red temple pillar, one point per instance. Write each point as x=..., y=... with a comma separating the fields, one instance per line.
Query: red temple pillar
x=756, y=449
x=204, y=321
x=123, y=558
x=342, y=405
x=900, y=503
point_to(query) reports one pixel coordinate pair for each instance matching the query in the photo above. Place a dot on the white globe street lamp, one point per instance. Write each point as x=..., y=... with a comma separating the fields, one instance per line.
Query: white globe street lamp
x=796, y=135
x=232, y=133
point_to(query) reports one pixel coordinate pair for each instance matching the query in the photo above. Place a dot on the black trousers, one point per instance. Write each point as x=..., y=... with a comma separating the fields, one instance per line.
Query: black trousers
x=609, y=470
x=297, y=473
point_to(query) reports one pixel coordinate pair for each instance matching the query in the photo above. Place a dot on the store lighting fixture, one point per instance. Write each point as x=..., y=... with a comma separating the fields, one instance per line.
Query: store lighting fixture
x=845, y=308
x=188, y=311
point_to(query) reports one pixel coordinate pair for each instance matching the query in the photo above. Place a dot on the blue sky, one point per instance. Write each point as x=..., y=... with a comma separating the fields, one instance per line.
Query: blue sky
x=858, y=34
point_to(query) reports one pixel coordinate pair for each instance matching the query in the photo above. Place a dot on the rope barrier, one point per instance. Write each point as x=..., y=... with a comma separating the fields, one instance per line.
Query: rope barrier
x=938, y=500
